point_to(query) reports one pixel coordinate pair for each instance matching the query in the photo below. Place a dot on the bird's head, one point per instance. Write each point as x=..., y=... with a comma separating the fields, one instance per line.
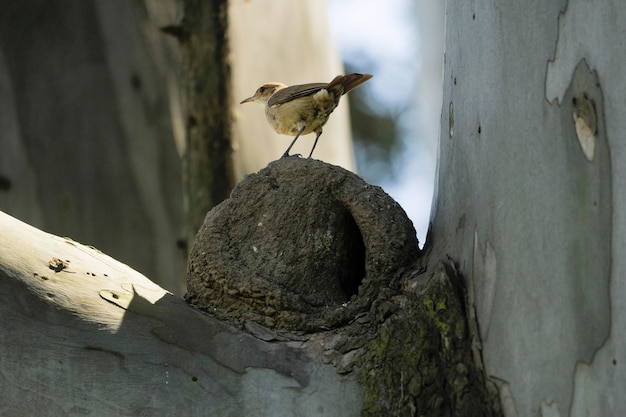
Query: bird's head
x=264, y=92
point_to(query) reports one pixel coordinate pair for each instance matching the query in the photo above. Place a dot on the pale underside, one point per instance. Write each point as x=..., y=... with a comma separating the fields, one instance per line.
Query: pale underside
x=309, y=111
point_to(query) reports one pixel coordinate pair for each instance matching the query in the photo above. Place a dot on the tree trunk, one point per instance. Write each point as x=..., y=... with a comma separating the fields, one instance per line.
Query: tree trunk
x=531, y=196
x=207, y=168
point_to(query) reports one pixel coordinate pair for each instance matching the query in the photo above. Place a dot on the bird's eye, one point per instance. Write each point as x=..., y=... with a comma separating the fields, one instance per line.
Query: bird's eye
x=261, y=89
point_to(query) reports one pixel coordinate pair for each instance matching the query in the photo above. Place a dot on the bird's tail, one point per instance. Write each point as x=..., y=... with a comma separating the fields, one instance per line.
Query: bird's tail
x=348, y=82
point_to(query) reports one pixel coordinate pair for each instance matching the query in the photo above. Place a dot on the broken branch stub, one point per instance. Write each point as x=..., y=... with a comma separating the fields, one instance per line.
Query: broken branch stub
x=300, y=245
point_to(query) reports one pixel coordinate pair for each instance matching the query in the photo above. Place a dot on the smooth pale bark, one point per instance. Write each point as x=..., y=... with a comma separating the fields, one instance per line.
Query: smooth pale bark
x=85, y=334
x=531, y=196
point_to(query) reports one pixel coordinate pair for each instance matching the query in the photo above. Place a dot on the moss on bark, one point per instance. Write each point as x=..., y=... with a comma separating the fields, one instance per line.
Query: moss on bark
x=420, y=363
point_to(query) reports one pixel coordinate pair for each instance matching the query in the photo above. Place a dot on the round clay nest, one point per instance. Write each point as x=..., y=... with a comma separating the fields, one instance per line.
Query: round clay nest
x=301, y=245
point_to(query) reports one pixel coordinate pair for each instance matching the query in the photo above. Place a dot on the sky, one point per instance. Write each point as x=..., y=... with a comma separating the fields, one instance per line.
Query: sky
x=382, y=37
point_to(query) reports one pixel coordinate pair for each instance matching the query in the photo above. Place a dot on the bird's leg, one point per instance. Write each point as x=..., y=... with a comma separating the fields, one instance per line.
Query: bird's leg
x=293, y=141
x=315, y=143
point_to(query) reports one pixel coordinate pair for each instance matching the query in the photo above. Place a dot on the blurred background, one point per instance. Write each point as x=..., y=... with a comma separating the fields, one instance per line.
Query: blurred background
x=100, y=102
x=395, y=116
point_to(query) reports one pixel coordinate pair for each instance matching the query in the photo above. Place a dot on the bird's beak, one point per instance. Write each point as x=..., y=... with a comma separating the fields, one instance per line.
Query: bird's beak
x=249, y=99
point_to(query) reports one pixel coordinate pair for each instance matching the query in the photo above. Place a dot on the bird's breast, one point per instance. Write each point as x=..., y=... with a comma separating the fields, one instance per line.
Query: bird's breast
x=310, y=111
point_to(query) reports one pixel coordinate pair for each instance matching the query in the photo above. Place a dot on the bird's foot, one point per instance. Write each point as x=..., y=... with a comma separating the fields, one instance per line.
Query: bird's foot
x=286, y=155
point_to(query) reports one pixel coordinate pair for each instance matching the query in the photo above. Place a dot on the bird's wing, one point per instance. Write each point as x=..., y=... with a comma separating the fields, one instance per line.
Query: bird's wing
x=293, y=92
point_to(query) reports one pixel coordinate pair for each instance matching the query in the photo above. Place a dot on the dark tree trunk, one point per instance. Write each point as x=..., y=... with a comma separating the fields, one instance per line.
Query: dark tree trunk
x=207, y=165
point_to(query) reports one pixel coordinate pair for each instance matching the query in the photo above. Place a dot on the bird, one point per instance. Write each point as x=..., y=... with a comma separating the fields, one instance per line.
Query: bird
x=304, y=108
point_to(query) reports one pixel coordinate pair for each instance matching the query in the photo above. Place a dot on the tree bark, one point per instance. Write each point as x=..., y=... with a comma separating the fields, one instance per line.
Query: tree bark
x=532, y=194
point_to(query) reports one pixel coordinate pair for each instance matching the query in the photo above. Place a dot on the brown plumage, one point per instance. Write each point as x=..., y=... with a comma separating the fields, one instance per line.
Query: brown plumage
x=304, y=108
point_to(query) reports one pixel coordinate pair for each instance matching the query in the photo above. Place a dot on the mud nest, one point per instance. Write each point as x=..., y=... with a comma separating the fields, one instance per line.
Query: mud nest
x=301, y=245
